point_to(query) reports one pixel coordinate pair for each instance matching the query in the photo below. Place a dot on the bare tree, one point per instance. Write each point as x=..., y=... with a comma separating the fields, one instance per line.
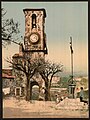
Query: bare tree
x=10, y=29
x=47, y=70
x=28, y=67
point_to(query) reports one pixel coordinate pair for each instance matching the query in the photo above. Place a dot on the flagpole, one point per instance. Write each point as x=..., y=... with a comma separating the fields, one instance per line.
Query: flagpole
x=72, y=82
x=71, y=58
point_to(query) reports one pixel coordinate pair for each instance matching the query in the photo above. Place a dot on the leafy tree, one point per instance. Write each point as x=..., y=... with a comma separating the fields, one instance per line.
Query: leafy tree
x=63, y=82
x=84, y=82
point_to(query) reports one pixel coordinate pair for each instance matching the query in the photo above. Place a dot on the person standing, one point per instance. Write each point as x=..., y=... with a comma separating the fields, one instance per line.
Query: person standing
x=57, y=99
x=82, y=96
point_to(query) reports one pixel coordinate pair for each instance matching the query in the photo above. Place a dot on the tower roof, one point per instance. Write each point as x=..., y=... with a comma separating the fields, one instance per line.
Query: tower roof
x=38, y=9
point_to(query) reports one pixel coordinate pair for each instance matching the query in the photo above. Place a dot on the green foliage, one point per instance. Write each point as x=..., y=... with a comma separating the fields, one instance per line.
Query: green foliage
x=86, y=94
x=63, y=82
x=84, y=82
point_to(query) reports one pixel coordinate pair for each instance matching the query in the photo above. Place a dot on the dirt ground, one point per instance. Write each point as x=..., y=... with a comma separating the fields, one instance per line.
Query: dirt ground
x=19, y=108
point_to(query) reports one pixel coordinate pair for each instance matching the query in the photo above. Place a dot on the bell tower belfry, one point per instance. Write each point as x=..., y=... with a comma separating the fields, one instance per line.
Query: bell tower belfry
x=35, y=37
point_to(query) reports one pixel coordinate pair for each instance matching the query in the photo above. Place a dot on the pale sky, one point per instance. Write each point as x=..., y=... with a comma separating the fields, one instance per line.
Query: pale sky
x=64, y=19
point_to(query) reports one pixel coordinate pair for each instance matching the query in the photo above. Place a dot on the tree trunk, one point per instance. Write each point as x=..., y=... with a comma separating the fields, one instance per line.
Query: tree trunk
x=47, y=92
x=28, y=91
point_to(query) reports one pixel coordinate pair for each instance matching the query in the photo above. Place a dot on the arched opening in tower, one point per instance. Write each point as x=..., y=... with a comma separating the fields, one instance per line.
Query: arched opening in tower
x=34, y=21
x=34, y=90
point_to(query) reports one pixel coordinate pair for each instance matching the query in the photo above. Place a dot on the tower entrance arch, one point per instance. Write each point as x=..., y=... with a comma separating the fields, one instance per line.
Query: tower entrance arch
x=37, y=89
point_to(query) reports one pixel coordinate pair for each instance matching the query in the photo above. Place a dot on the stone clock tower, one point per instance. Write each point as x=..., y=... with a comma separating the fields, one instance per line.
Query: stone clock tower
x=35, y=37
x=35, y=41
x=34, y=47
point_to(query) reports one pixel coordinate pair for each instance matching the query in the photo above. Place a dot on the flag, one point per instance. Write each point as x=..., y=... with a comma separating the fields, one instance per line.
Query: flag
x=71, y=45
x=71, y=49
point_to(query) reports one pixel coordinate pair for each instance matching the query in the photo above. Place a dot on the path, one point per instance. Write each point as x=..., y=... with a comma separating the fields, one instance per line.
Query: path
x=14, y=108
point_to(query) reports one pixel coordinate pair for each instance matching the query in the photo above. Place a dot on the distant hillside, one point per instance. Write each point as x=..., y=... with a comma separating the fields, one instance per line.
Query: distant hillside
x=77, y=74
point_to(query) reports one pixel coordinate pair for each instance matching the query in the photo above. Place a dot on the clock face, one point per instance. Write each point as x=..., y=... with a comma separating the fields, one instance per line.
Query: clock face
x=34, y=37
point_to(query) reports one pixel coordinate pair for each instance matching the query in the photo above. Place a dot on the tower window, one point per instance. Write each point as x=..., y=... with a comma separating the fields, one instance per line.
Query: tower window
x=33, y=21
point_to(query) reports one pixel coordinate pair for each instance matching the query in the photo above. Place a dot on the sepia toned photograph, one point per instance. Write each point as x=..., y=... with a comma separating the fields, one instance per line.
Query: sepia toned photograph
x=45, y=60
